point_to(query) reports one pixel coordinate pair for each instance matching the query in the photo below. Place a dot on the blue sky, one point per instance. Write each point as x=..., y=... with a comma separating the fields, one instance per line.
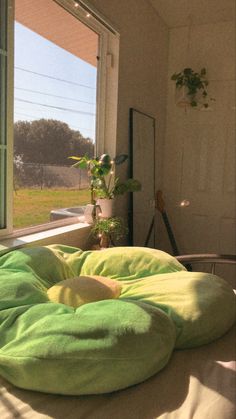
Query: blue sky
x=38, y=96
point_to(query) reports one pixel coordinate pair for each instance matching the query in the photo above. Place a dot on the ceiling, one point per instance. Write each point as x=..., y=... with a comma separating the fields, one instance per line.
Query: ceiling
x=185, y=12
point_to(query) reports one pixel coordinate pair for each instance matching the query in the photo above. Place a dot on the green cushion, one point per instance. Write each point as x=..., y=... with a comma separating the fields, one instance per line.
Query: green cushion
x=200, y=304
x=99, y=348
x=106, y=345
x=124, y=263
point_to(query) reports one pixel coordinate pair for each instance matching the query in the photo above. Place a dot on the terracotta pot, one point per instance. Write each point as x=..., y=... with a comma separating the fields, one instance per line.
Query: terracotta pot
x=104, y=241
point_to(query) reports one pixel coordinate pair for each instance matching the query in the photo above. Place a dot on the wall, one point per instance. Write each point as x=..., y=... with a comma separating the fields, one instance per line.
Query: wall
x=142, y=70
x=199, y=153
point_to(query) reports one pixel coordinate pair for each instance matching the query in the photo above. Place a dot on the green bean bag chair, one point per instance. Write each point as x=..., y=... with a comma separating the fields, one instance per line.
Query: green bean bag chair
x=74, y=322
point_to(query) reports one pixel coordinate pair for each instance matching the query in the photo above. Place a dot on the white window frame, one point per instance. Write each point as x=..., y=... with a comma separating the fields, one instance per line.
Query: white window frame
x=107, y=97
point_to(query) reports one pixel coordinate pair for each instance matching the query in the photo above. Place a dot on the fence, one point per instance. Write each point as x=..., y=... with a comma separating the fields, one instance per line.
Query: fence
x=33, y=175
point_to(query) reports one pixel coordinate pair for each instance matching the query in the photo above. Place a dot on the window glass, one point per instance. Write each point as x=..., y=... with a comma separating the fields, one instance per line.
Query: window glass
x=55, y=90
x=3, y=25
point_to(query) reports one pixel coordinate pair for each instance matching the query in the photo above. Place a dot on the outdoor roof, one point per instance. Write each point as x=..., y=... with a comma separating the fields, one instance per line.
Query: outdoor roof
x=50, y=20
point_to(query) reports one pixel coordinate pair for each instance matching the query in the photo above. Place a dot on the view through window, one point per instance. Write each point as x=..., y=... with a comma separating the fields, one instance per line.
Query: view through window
x=55, y=89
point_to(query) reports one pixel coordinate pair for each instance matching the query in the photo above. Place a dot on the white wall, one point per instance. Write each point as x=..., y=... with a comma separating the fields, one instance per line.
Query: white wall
x=199, y=152
x=142, y=71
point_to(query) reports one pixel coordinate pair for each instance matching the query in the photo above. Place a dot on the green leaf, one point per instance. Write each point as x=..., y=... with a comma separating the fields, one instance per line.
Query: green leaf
x=120, y=189
x=99, y=171
x=106, y=170
x=81, y=164
x=113, y=227
x=105, y=158
x=130, y=185
x=101, y=193
x=187, y=71
x=133, y=185
x=96, y=182
x=121, y=158
x=179, y=83
x=75, y=158
x=76, y=165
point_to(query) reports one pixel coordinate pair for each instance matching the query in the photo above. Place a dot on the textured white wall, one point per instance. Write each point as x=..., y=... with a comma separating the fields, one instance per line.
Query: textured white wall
x=142, y=71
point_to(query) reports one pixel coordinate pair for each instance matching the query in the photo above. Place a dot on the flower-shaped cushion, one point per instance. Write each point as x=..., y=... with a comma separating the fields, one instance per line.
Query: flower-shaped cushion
x=106, y=345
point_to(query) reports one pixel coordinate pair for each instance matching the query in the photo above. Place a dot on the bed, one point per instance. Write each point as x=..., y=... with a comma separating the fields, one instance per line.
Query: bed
x=196, y=383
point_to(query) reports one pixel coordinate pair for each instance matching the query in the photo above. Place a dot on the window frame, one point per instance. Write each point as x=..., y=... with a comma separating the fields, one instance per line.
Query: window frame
x=8, y=147
x=107, y=92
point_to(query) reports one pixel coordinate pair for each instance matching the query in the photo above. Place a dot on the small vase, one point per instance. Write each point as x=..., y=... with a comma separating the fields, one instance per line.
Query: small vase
x=91, y=213
x=106, y=206
x=182, y=98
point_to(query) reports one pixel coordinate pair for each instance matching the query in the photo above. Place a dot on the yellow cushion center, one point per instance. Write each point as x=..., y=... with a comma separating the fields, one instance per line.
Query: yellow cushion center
x=80, y=290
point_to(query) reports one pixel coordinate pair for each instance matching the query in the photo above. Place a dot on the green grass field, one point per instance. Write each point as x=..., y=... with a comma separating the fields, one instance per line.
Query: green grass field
x=33, y=206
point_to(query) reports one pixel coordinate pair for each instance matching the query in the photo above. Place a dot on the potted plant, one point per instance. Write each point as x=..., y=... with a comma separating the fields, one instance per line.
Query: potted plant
x=104, y=185
x=109, y=230
x=191, y=88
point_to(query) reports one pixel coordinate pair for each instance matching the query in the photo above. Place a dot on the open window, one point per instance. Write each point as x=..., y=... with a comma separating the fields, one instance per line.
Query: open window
x=64, y=70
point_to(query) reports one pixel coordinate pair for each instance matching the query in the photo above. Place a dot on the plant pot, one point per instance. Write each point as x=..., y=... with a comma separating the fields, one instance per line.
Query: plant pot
x=104, y=241
x=182, y=98
x=90, y=213
x=106, y=206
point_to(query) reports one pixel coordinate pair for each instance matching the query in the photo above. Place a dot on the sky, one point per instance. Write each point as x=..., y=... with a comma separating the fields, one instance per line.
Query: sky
x=52, y=83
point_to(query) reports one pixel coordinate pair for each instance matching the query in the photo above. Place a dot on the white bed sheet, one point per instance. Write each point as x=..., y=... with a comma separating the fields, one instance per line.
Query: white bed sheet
x=197, y=383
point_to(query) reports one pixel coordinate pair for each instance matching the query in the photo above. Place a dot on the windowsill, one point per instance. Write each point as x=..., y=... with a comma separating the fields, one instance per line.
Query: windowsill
x=73, y=234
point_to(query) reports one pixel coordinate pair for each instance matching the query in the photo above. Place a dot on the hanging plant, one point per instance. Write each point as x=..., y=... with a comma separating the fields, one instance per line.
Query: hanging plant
x=195, y=85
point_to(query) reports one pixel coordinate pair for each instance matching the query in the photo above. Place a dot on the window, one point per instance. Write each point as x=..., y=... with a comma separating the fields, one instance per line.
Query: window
x=6, y=15
x=63, y=74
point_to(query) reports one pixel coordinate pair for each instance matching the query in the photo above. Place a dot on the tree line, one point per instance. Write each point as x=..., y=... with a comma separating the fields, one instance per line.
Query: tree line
x=49, y=141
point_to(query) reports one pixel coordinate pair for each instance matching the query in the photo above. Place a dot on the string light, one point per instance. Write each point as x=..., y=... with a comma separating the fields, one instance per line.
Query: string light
x=76, y=4
x=88, y=15
x=184, y=203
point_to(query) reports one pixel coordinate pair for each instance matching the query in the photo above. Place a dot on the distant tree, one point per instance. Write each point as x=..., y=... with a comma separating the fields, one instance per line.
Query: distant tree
x=48, y=141
x=21, y=131
x=80, y=145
